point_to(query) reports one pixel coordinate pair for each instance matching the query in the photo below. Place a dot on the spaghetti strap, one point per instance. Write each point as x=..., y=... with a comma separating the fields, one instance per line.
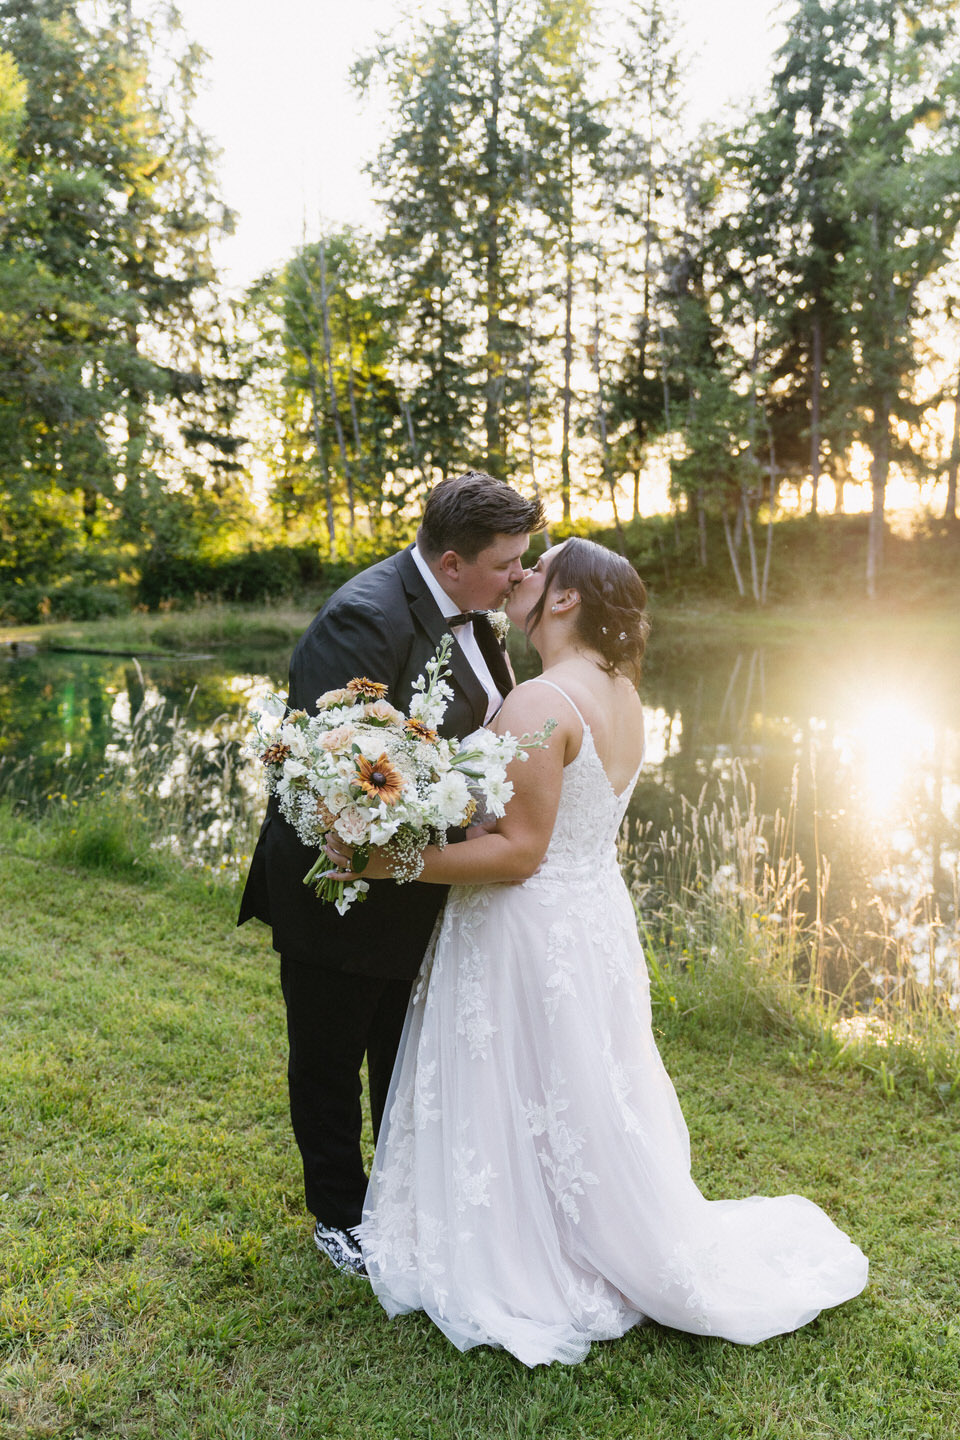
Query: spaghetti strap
x=540, y=680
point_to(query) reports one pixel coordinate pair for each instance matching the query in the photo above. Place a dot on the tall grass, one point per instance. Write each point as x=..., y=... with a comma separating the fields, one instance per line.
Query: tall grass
x=166, y=795
x=730, y=919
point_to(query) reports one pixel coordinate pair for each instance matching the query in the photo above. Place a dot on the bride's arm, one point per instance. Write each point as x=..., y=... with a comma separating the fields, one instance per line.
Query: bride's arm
x=515, y=847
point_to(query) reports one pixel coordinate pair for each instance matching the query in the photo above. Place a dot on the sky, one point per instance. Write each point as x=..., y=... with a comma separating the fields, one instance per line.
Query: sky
x=295, y=136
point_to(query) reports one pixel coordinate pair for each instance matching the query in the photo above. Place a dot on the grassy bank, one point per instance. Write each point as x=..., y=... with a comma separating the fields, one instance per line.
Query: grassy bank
x=816, y=582
x=241, y=628
x=158, y=1276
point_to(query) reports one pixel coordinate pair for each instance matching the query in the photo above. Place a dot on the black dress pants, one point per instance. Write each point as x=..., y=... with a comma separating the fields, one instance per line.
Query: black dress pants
x=333, y=1020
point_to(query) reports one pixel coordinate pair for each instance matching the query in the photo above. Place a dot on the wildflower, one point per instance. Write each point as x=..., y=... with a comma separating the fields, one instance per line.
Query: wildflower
x=419, y=731
x=362, y=688
x=379, y=778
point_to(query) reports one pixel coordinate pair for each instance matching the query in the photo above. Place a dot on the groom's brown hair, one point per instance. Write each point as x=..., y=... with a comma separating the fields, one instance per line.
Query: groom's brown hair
x=467, y=512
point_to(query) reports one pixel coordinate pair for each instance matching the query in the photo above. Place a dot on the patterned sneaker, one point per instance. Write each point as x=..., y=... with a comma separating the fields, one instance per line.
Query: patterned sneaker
x=340, y=1246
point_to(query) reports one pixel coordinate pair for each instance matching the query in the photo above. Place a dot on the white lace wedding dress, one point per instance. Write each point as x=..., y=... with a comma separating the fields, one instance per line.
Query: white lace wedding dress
x=531, y=1187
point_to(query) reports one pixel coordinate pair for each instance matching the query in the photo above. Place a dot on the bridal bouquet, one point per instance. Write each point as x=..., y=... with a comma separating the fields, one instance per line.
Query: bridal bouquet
x=360, y=769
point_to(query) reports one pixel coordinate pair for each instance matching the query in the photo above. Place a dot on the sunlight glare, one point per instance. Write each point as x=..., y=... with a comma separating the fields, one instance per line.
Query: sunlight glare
x=883, y=744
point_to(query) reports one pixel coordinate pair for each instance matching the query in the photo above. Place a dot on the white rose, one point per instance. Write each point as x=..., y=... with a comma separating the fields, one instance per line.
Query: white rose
x=351, y=825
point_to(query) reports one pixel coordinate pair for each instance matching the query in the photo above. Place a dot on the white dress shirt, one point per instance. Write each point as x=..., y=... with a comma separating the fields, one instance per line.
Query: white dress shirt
x=463, y=636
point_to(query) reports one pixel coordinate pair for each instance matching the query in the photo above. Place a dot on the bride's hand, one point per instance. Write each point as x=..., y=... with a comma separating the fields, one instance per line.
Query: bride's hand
x=378, y=867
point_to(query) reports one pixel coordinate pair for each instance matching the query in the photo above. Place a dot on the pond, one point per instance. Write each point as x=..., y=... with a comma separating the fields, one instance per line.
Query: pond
x=857, y=746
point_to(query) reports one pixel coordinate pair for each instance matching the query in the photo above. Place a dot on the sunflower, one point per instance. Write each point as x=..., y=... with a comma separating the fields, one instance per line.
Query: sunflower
x=379, y=779
x=361, y=687
x=419, y=731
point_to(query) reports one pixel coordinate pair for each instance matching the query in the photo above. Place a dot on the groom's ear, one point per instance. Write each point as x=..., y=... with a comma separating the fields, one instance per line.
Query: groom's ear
x=450, y=564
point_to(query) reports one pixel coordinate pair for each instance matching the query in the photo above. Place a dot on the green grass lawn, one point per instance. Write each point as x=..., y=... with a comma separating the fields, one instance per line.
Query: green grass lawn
x=158, y=1275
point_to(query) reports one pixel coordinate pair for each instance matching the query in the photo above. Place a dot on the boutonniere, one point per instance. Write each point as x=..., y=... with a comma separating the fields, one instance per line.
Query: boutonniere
x=499, y=624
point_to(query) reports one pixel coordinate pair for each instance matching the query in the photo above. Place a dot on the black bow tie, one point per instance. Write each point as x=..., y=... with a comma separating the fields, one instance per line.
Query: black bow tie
x=466, y=617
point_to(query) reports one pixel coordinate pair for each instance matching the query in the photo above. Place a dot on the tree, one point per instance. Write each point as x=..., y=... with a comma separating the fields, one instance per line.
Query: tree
x=467, y=167
x=643, y=178
x=340, y=438
x=851, y=173
x=108, y=284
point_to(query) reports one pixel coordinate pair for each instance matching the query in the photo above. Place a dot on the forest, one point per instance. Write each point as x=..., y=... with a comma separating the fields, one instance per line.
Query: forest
x=561, y=290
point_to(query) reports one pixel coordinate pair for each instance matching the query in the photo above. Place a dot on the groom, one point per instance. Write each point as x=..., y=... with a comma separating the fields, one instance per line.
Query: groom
x=346, y=978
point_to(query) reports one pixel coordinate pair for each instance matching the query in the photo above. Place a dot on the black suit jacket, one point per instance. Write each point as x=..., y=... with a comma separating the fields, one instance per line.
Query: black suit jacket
x=383, y=624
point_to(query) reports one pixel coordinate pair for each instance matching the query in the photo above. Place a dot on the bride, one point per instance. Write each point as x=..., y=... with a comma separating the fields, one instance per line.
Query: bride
x=531, y=1187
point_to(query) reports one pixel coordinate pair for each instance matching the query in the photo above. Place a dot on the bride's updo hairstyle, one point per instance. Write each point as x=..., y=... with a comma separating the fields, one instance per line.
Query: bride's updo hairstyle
x=610, y=617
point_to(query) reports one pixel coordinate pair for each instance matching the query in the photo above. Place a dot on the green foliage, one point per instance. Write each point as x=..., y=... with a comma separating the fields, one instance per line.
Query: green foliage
x=105, y=281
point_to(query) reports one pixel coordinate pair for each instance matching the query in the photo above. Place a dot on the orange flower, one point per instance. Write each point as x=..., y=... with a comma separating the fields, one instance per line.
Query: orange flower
x=419, y=731
x=368, y=689
x=379, y=779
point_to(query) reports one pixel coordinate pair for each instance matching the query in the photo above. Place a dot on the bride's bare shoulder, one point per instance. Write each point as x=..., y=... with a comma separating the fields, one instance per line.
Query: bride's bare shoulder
x=529, y=706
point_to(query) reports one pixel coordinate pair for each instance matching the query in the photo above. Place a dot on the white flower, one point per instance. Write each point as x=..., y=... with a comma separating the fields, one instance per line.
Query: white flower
x=293, y=736
x=270, y=706
x=350, y=893
x=351, y=825
x=336, y=798
x=498, y=790
x=383, y=831
x=451, y=797
x=428, y=709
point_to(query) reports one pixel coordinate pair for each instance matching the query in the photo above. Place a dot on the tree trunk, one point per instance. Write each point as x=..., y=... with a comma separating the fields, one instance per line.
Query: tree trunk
x=414, y=448
x=493, y=389
x=332, y=390
x=531, y=452
x=751, y=544
x=816, y=383
x=354, y=419
x=605, y=465
x=567, y=342
x=701, y=528
x=950, y=511
x=879, y=466
x=733, y=555
x=320, y=449
x=771, y=502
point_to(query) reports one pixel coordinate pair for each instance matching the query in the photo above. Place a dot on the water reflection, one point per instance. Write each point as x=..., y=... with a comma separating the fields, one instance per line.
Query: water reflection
x=868, y=742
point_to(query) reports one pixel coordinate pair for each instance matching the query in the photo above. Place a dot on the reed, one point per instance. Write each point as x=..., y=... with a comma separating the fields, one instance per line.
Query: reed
x=167, y=795
x=730, y=919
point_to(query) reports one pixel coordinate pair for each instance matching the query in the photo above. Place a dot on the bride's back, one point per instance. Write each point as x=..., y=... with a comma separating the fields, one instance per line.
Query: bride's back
x=611, y=707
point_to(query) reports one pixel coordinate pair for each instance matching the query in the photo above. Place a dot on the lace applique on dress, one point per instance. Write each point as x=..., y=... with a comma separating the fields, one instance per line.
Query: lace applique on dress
x=531, y=1187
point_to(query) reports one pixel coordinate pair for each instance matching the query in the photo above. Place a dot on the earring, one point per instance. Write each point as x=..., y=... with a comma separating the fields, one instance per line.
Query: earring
x=553, y=609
